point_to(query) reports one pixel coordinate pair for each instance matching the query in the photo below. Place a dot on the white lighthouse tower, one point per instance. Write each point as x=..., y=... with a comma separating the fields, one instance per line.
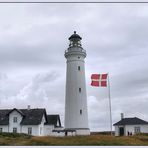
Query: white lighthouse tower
x=76, y=116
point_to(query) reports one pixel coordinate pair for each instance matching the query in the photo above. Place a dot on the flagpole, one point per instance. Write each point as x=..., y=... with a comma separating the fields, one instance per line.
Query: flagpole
x=110, y=109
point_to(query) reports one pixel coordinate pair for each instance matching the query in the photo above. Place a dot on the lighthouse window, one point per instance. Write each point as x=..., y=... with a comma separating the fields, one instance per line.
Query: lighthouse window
x=79, y=68
x=79, y=89
x=80, y=111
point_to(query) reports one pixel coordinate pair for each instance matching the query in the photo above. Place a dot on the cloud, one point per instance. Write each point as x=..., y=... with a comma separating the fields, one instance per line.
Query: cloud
x=3, y=76
x=36, y=93
x=33, y=68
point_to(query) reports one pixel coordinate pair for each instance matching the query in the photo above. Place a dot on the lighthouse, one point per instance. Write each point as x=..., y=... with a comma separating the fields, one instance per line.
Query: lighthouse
x=76, y=116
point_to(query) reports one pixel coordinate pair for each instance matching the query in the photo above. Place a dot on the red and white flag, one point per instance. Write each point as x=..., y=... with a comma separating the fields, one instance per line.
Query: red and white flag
x=99, y=80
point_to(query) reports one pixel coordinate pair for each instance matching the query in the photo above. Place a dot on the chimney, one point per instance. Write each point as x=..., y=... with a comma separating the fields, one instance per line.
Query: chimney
x=122, y=116
x=28, y=107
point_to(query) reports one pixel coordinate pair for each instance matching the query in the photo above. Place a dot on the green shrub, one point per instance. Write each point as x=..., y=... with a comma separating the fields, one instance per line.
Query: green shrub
x=142, y=134
x=14, y=135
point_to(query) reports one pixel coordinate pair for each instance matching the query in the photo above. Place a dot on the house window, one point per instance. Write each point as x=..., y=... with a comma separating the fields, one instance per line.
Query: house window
x=29, y=130
x=80, y=111
x=137, y=129
x=15, y=119
x=1, y=130
x=14, y=130
x=79, y=89
x=79, y=68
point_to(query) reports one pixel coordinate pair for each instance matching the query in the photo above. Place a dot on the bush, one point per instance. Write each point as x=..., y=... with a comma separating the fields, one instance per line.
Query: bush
x=103, y=133
x=14, y=135
x=142, y=134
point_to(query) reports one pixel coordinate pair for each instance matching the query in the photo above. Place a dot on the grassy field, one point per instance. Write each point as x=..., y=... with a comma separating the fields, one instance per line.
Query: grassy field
x=104, y=140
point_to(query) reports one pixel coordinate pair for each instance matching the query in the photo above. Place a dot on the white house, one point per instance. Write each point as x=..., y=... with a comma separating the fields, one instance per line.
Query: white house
x=130, y=126
x=29, y=121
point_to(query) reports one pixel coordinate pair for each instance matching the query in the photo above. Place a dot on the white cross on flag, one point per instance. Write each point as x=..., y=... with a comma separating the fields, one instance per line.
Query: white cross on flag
x=99, y=80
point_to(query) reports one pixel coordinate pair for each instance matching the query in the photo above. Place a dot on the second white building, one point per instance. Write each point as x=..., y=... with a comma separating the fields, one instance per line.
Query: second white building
x=130, y=126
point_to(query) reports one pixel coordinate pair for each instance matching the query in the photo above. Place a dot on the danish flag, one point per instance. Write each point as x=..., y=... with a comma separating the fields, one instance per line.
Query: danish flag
x=99, y=80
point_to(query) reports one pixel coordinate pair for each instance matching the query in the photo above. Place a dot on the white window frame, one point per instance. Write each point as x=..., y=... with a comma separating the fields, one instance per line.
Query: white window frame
x=15, y=119
x=29, y=130
x=137, y=129
x=14, y=130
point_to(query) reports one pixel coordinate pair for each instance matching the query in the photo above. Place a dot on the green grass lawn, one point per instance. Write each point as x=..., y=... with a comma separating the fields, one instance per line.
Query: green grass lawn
x=104, y=140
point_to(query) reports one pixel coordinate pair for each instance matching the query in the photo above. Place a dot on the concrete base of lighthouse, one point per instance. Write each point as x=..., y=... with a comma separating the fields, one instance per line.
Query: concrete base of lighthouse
x=82, y=132
x=76, y=132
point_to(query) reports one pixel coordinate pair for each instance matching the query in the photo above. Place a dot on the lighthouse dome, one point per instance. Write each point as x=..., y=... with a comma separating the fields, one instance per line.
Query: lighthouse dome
x=75, y=36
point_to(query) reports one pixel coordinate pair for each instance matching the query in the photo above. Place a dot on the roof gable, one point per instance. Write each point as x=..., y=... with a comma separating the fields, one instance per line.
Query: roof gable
x=53, y=120
x=18, y=110
x=30, y=117
x=131, y=121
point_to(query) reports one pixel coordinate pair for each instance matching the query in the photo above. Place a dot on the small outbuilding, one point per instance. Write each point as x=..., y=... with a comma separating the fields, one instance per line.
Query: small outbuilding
x=130, y=126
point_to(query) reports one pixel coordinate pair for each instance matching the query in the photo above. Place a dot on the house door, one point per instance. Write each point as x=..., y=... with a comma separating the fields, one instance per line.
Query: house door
x=121, y=131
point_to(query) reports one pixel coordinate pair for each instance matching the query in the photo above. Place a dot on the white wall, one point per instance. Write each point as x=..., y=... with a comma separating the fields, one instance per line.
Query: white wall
x=131, y=128
x=75, y=100
x=144, y=129
x=35, y=129
x=4, y=128
x=17, y=124
x=48, y=129
x=116, y=131
x=41, y=126
x=58, y=134
x=83, y=132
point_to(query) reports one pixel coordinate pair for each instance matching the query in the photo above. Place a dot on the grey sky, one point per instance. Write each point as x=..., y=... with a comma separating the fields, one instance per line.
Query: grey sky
x=33, y=38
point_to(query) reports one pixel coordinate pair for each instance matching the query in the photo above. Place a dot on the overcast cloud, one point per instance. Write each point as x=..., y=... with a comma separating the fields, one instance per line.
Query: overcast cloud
x=33, y=38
